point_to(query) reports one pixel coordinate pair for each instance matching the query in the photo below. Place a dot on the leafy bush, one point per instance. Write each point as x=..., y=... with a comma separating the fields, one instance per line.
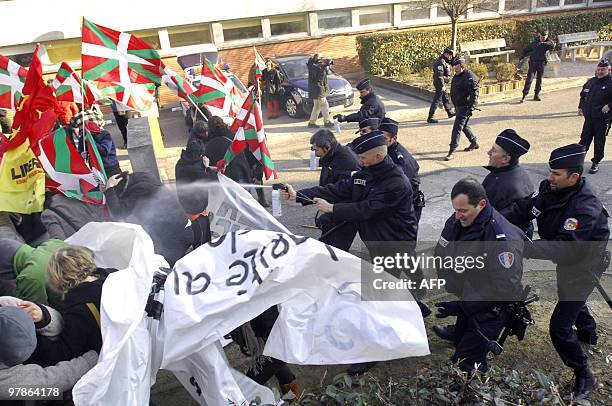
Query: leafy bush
x=605, y=33
x=386, y=53
x=504, y=71
x=480, y=69
x=427, y=73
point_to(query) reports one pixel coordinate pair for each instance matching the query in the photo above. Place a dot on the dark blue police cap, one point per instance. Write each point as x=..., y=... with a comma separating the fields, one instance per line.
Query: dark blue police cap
x=363, y=84
x=604, y=63
x=389, y=125
x=457, y=61
x=569, y=156
x=372, y=122
x=448, y=51
x=368, y=141
x=512, y=143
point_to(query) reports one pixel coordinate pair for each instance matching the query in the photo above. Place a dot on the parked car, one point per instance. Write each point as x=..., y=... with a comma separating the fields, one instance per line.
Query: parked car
x=295, y=82
x=191, y=59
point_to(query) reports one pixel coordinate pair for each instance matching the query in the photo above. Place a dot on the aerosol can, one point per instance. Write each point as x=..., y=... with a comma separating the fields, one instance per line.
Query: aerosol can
x=314, y=161
x=337, y=126
x=277, y=209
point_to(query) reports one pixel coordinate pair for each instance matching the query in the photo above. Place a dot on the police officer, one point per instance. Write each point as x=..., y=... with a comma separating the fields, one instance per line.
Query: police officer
x=405, y=161
x=595, y=105
x=536, y=51
x=573, y=228
x=337, y=162
x=441, y=77
x=371, y=106
x=464, y=94
x=484, y=285
x=368, y=125
x=507, y=181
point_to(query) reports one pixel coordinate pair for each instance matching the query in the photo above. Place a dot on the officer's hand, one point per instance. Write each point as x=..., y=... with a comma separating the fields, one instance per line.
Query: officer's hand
x=289, y=193
x=446, y=309
x=605, y=109
x=339, y=117
x=323, y=205
x=580, y=112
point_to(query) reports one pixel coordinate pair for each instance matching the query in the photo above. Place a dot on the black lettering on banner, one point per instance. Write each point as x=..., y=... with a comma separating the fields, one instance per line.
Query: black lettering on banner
x=297, y=240
x=192, y=279
x=194, y=383
x=218, y=241
x=262, y=259
x=243, y=232
x=176, y=283
x=231, y=281
x=233, y=243
x=253, y=253
x=332, y=254
x=277, y=242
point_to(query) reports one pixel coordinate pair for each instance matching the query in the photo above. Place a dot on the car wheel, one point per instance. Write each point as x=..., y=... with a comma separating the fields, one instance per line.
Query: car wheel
x=292, y=107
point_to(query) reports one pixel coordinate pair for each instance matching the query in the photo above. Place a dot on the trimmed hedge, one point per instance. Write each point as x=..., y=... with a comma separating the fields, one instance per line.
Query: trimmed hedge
x=387, y=53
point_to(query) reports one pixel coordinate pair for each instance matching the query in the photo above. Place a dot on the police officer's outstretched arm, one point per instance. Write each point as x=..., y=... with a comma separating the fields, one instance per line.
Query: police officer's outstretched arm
x=332, y=192
x=379, y=203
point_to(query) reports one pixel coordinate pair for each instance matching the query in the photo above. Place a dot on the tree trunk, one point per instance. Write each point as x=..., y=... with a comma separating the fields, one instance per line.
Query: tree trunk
x=454, y=36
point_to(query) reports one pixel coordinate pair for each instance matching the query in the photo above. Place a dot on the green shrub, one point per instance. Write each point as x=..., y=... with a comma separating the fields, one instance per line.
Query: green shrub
x=605, y=33
x=504, y=71
x=386, y=53
x=480, y=69
x=427, y=73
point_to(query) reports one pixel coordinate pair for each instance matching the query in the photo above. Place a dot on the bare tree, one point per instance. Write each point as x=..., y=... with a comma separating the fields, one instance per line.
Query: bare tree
x=457, y=10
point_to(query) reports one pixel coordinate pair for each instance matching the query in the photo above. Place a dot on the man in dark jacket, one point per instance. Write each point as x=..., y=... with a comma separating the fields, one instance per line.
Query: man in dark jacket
x=371, y=106
x=595, y=105
x=239, y=169
x=337, y=162
x=464, y=94
x=272, y=88
x=486, y=284
x=199, y=135
x=106, y=148
x=536, y=51
x=573, y=229
x=142, y=199
x=318, y=89
x=406, y=162
x=441, y=77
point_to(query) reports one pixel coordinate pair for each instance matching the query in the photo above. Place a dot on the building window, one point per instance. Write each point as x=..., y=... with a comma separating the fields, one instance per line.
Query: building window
x=22, y=59
x=517, y=5
x=293, y=24
x=547, y=3
x=487, y=7
x=64, y=50
x=151, y=37
x=189, y=35
x=573, y=2
x=242, y=29
x=374, y=15
x=334, y=19
x=441, y=13
x=414, y=11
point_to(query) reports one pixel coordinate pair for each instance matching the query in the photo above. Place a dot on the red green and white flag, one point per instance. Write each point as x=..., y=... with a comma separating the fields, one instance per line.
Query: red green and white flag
x=181, y=87
x=114, y=56
x=12, y=79
x=135, y=96
x=249, y=133
x=66, y=171
x=260, y=64
x=218, y=92
x=68, y=87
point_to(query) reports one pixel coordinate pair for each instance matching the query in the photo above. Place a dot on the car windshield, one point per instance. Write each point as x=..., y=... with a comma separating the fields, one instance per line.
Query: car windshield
x=187, y=61
x=295, y=68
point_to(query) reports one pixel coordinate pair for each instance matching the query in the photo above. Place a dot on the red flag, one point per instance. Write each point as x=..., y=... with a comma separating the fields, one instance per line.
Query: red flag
x=36, y=99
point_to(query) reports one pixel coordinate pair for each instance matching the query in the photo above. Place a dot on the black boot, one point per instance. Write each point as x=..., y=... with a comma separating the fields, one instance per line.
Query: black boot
x=361, y=368
x=432, y=120
x=537, y=97
x=449, y=156
x=523, y=99
x=473, y=145
x=261, y=197
x=584, y=384
x=444, y=332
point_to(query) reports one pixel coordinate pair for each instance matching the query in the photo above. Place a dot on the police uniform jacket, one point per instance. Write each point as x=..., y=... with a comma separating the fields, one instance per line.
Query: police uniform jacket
x=595, y=94
x=497, y=277
x=506, y=185
x=566, y=219
x=406, y=162
x=464, y=89
x=371, y=106
x=441, y=72
x=377, y=198
x=536, y=50
x=337, y=164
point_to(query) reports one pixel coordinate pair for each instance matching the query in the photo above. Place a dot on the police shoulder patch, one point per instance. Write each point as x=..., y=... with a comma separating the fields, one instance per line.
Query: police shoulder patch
x=506, y=259
x=571, y=224
x=361, y=182
x=535, y=211
x=443, y=242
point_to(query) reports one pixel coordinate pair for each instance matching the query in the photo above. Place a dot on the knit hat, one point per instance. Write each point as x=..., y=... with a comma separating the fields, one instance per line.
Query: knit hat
x=18, y=338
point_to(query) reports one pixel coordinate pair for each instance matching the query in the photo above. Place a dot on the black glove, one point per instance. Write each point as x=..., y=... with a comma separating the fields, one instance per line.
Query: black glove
x=339, y=117
x=446, y=309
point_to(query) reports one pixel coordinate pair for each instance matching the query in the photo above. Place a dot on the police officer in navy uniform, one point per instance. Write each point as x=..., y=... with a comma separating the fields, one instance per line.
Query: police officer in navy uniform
x=573, y=229
x=508, y=181
x=536, y=51
x=442, y=71
x=405, y=161
x=337, y=162
x=486, y=284
x=596, y=105
x=368, y=125
x=464, y=94
x=371, y=106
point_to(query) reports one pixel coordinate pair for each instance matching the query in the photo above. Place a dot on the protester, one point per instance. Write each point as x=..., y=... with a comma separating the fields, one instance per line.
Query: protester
x=91, y=113
x=122, y=120
x=64, y=216
x=142, y=199
x=238, y=169
x=199, y=135
x=273, y=89
x=318, y=88
x=105, y=145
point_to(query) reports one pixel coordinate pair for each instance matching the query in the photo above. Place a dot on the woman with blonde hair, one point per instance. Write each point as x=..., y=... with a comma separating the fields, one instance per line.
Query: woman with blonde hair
x=72, y=272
